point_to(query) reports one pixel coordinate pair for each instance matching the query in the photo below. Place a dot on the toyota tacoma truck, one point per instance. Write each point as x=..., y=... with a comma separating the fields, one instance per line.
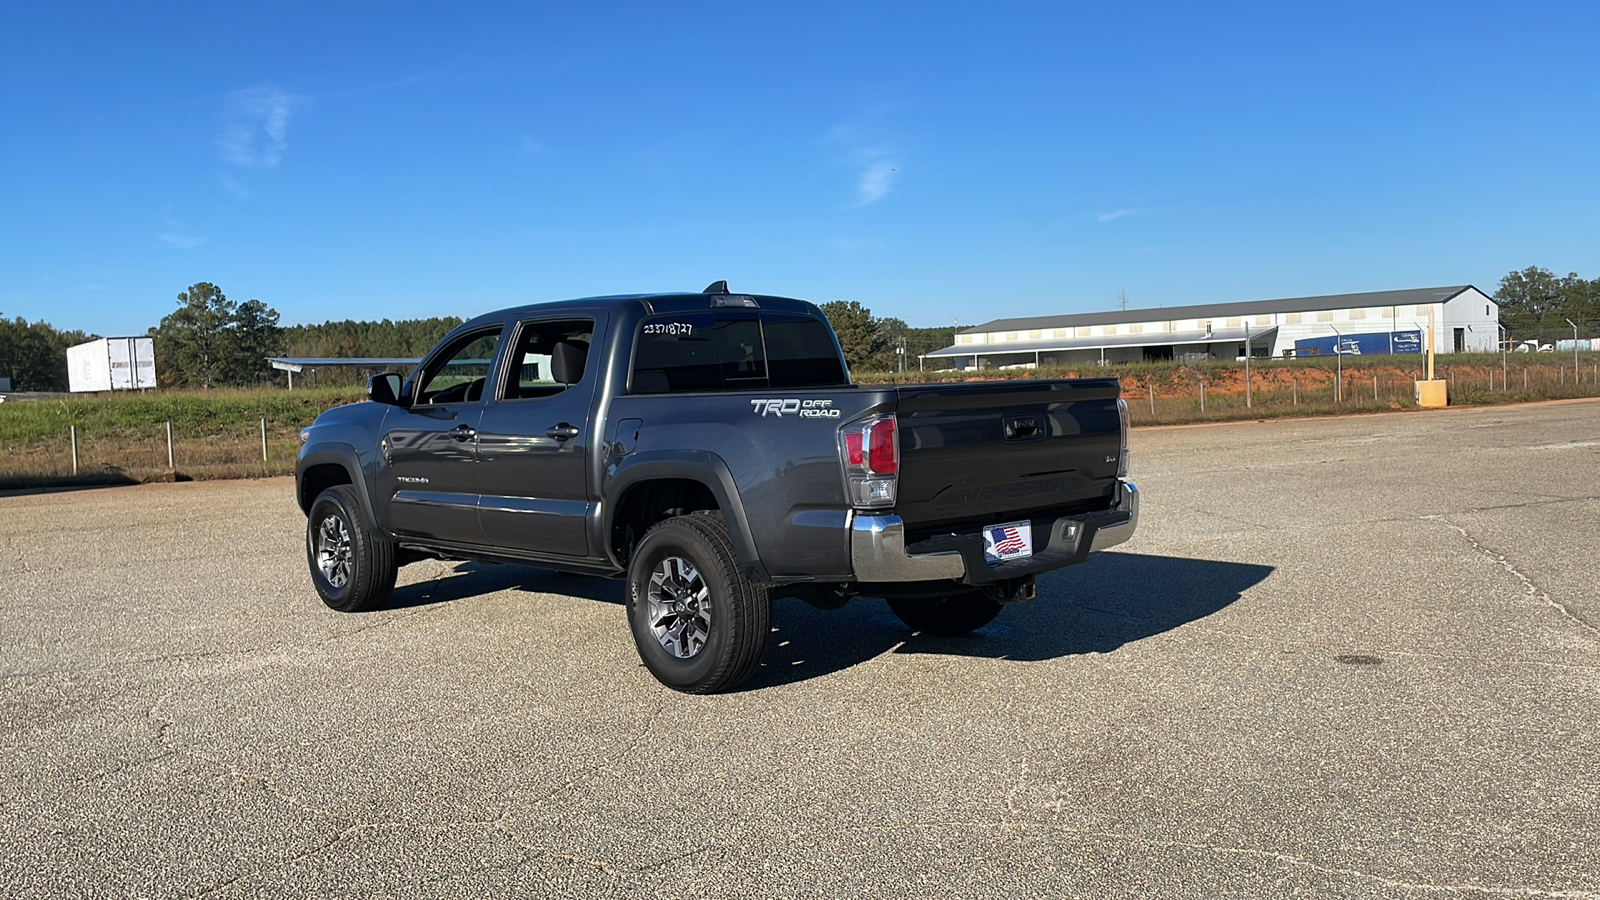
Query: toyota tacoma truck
x=711, y=449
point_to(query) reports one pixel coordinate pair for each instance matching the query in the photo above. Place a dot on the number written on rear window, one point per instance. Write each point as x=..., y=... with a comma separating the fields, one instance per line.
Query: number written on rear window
x=672, y=328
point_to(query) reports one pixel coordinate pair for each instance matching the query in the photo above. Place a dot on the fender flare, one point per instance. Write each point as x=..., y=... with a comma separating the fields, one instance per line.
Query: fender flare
x=702, y=466
x=343, y=455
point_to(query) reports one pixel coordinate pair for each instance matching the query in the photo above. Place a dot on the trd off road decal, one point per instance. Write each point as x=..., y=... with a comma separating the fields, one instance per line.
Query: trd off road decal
x=794, y=406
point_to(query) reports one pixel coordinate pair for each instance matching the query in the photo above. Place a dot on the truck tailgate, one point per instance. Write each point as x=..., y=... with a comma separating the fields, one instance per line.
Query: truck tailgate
x=998, y=452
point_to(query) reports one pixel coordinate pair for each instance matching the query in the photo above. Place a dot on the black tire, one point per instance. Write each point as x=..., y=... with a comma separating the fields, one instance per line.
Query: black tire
x=700, y=624
x=946, y=616
x=352, y=568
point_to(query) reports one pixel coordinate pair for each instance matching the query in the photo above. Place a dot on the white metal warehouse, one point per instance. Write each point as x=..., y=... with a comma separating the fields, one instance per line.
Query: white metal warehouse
x=1464, y=320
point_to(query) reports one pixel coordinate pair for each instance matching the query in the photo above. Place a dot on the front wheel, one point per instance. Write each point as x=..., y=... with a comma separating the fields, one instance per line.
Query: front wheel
x=700, y=624
x=946, y=616
x=352, y=568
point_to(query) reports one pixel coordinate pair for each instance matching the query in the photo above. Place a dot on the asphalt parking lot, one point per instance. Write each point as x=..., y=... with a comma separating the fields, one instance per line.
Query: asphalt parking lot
x=1347, y=657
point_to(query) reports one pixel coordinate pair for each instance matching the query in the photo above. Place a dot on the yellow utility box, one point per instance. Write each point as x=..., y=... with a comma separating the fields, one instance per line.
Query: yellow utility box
x=1433, y=394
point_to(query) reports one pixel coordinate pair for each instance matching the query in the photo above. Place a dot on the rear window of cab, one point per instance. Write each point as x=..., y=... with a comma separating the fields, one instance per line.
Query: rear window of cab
x=733, y=350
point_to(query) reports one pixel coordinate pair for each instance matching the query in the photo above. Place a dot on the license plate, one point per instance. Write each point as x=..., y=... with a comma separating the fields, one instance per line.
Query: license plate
x=1014, y=540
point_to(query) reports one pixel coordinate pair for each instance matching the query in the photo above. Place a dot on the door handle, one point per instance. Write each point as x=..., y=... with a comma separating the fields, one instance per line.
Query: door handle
x=463, y=432
x=562, y=432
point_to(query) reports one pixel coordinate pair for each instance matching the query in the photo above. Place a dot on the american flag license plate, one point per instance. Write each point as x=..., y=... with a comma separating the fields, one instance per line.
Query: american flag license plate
x=1013, y=540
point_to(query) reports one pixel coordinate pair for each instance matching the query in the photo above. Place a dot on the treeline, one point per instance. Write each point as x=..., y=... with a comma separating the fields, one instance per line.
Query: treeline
x=405, y=338
x=33, y=355
x=211, y=341
x=1536, y=304
x=873, y=344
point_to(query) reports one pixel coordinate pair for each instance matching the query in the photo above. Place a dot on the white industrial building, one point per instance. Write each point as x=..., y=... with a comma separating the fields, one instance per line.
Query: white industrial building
x=1465, y=320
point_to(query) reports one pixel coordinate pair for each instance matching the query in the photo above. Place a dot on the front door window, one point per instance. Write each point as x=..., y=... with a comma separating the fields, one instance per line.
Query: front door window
x=460, y=375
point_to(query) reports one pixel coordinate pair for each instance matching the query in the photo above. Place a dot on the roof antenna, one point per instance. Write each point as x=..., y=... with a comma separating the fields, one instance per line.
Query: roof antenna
x=716, y=287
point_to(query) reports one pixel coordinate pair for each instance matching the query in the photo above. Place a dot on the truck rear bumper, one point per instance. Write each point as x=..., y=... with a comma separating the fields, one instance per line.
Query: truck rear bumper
x=878, y=551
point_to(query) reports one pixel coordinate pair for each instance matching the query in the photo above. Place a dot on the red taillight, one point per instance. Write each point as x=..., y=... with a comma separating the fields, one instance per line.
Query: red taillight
x=852, y=448
x=871, y=455
x=883, y=457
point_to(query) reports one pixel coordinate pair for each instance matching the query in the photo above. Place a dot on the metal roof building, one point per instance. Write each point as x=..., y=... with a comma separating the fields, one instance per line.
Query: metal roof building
x=1464, y=320
x=293, y=364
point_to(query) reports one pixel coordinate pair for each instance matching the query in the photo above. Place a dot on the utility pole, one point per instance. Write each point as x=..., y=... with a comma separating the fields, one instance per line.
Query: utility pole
x=1247, y=402
x=1338, y=364
x=1505, y=345
x=1574, y=350
x=1124, y=299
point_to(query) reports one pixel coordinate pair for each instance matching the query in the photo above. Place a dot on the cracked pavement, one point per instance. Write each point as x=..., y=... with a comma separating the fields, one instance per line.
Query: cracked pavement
x=180, y=716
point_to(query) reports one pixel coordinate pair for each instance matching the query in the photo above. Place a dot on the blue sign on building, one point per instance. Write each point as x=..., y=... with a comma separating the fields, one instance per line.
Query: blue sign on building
x=1377, y=343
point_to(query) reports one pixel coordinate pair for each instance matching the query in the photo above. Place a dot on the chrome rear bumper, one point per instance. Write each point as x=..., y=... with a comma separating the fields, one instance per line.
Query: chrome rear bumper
x=878, y=546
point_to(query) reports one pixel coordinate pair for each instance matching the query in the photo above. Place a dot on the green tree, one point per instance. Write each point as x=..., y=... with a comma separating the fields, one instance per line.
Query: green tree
x=192, y=341
x=255, y=335
x=852, y=322
x=210, y=340
x=1534, y=291
x=1536, y=303
x=34, y=355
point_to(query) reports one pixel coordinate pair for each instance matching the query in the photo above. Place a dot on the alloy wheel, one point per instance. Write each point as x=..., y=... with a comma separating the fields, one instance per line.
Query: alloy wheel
x=679, y=606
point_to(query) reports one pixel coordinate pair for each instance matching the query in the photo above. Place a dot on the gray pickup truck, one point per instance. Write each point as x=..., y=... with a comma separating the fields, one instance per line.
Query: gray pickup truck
x=711, y=449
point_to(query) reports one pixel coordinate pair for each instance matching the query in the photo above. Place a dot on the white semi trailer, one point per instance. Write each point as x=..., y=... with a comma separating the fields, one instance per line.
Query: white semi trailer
x=112, y=364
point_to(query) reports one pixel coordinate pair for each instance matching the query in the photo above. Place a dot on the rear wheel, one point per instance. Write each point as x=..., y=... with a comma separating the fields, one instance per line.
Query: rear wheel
x=946, y=616
x=700, y=624
x=352, y=568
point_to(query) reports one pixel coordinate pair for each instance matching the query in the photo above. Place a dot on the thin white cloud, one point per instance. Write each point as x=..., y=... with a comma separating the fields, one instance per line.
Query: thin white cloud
x=236, y=187
x=1118, y=214
x=877, y=179
x=532, y=144
x=869, y=151
x=175, y=235
x=255, y=127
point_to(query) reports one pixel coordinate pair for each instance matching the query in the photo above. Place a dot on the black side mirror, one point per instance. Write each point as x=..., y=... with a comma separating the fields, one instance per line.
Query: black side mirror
x=384, y=388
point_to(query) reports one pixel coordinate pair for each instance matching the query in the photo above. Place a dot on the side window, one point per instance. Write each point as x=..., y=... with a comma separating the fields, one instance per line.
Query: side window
x=801, y=353
x=549, y=357
x=678, y=352
x=458, y=374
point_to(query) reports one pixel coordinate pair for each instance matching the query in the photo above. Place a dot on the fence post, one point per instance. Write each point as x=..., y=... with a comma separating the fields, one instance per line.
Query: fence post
x=170, y=466
x=1202, y=393
x=72, y=431
x=1374, y=389
x=1294, y=390
x=1524, y=377
x=1152, y=400
x=263, y=438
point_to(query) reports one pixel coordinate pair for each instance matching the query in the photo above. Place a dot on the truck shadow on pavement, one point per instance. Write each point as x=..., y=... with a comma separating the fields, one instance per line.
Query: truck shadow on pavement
x=1111, y=600
x=471, y=579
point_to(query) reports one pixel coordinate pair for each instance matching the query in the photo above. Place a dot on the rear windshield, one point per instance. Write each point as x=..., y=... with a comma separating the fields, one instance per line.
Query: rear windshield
x=733, y=350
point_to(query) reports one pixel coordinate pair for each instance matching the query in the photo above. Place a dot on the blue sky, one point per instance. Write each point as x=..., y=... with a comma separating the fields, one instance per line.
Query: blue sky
x=936, y=162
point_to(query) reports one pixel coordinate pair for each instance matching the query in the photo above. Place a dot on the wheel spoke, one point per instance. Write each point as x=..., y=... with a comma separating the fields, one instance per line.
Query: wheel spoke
x=332, y=549
x=678, y=607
